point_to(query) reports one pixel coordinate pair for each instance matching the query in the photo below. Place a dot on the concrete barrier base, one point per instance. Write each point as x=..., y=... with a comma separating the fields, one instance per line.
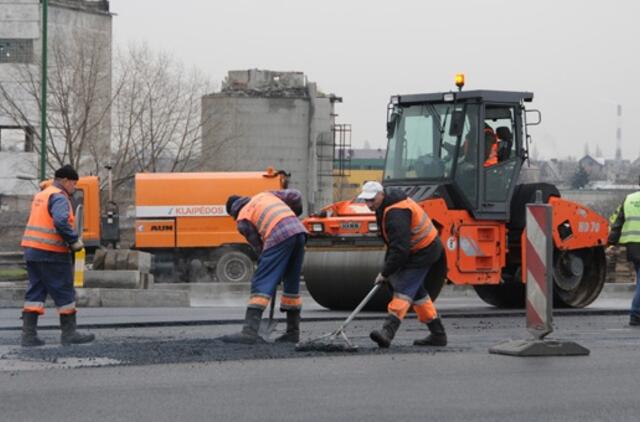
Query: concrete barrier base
x=534, y=347
x=13, y=297
x=113, y=279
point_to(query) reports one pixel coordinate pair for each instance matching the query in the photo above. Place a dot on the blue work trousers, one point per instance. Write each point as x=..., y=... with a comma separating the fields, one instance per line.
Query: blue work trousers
x=280, y=262
x=409, y=282
x=52, y=278
x=635, y=304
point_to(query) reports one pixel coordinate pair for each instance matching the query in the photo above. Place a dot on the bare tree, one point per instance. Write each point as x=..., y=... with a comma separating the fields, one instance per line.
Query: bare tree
x=147, y=119
x=78, y=102
x=157, y=115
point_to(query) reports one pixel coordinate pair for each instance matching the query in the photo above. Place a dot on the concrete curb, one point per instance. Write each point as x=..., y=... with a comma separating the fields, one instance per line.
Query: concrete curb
x=450, y=290
x=13, y=297
x=182, y=294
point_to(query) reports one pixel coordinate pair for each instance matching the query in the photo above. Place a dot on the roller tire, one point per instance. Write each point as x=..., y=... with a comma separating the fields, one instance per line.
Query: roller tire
x=504, y=296
x=512, y=293
x=525, y=194
x=590, y=284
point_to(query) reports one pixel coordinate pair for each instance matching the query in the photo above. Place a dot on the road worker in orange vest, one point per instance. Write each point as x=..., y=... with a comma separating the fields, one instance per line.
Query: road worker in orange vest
x=413, y=247
x=491, y=147
x=269, y=222
x=49, y=240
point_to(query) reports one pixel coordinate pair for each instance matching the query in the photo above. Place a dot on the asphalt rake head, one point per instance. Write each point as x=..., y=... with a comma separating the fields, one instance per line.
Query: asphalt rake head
x=336, y=341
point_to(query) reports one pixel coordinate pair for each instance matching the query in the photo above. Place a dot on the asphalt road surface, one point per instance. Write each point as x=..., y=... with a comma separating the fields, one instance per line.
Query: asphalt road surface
x=185, y=373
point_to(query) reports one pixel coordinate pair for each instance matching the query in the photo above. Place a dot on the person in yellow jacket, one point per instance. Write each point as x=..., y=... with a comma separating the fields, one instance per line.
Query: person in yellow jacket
x=413, y=247
x=625, y=230
x=49, y=239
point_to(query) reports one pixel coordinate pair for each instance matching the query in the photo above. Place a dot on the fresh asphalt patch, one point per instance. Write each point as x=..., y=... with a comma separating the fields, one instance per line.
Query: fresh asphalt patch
x=169, y=351
x=202, y=344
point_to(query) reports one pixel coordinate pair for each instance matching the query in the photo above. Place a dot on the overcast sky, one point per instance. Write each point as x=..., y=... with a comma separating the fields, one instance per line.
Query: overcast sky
x=580, y=58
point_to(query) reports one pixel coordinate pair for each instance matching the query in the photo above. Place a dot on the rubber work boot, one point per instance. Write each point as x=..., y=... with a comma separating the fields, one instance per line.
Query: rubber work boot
x=69, y=333
x=438, y=337
x=29, y=330
x=384, y=336
x=249, y=333
x=634, y=320
x=293, y=328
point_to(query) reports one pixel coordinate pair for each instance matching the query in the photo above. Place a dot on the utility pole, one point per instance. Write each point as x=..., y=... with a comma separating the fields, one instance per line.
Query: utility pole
x=43, y=93
x=619, y=132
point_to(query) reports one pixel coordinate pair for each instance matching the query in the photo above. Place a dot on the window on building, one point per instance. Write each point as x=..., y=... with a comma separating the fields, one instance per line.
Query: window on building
x=16, y=51
x=16, y=139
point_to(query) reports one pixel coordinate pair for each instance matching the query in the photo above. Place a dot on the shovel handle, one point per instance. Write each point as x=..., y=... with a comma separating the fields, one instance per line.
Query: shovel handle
x=272, y=305
x=361, y=305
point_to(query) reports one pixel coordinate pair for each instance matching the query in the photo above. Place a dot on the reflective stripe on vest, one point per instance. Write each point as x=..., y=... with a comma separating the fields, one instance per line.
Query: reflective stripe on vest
x=40, y=232
x=631, y=227
x=265, y=211
x=422, y=230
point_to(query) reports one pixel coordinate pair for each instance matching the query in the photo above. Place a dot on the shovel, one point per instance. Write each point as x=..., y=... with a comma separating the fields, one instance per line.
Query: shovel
x=268, y=326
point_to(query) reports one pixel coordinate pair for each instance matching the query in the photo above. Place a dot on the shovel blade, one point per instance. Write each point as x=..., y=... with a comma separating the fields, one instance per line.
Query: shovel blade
x=267, y=327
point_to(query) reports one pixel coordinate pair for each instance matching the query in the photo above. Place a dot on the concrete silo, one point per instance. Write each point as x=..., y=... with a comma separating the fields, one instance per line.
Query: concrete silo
x=264, y=118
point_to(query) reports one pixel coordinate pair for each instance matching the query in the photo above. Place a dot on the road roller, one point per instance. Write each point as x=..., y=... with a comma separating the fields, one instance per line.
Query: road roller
x=459, y=155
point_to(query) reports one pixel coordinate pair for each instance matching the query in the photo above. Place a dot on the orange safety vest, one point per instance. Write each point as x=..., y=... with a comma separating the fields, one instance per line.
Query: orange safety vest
x=492, y=160
x=265, y=211
x=423, y=231
x=40, y=232
x=493, y=156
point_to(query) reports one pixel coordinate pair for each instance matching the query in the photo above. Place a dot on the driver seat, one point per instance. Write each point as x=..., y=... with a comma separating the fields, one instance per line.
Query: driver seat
x=505, y=139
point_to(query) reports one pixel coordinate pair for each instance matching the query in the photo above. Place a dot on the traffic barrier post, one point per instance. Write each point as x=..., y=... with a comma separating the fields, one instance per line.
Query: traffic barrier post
x=537, y=271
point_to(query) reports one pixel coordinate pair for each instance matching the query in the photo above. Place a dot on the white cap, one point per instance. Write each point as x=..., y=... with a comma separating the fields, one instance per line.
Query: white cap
x=370, y=189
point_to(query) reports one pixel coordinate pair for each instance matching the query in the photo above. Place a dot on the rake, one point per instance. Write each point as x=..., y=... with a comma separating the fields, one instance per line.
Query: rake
x=328, y=342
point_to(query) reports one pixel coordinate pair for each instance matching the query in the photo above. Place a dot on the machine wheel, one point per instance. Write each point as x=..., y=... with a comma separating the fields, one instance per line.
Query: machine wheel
x=508, y=294
x=234, y=266
x=578, y=279
x=523, y=195
x=339, y=280
x=578, y=276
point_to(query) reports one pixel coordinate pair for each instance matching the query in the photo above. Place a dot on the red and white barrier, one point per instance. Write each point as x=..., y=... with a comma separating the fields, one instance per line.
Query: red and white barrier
x=539, y=263
x=537, y=271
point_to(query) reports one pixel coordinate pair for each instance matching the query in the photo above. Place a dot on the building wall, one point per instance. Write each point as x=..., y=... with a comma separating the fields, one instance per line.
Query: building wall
x=19, y=20
x=71, y=22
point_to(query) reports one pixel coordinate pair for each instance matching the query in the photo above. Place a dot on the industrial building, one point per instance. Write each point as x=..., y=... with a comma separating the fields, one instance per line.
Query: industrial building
x=263, y=118
x=79, y=44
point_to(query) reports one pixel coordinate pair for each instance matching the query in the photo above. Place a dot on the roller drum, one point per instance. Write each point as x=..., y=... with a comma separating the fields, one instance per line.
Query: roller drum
x=340, y=279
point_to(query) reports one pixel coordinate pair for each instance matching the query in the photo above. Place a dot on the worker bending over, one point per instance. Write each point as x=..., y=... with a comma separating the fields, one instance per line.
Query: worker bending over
x=413, y=246
x=270, y=224
x=49, y=239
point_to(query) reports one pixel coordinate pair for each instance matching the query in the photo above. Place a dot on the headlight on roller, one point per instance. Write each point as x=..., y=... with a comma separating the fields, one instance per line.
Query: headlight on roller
x=317, y=227
x=373, y=227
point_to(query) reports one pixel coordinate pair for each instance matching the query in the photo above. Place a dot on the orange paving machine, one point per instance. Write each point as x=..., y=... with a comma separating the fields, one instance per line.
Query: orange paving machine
x=459, y=155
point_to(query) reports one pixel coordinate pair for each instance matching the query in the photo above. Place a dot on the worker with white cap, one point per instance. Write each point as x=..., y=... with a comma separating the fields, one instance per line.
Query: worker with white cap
x=413, y=246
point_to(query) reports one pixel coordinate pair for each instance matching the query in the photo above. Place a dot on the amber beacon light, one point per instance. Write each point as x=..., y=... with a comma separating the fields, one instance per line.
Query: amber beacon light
x=460, y=80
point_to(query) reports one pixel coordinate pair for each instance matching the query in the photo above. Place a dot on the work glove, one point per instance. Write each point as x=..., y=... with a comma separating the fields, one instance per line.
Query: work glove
x=380, y=279
x=77, y=246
